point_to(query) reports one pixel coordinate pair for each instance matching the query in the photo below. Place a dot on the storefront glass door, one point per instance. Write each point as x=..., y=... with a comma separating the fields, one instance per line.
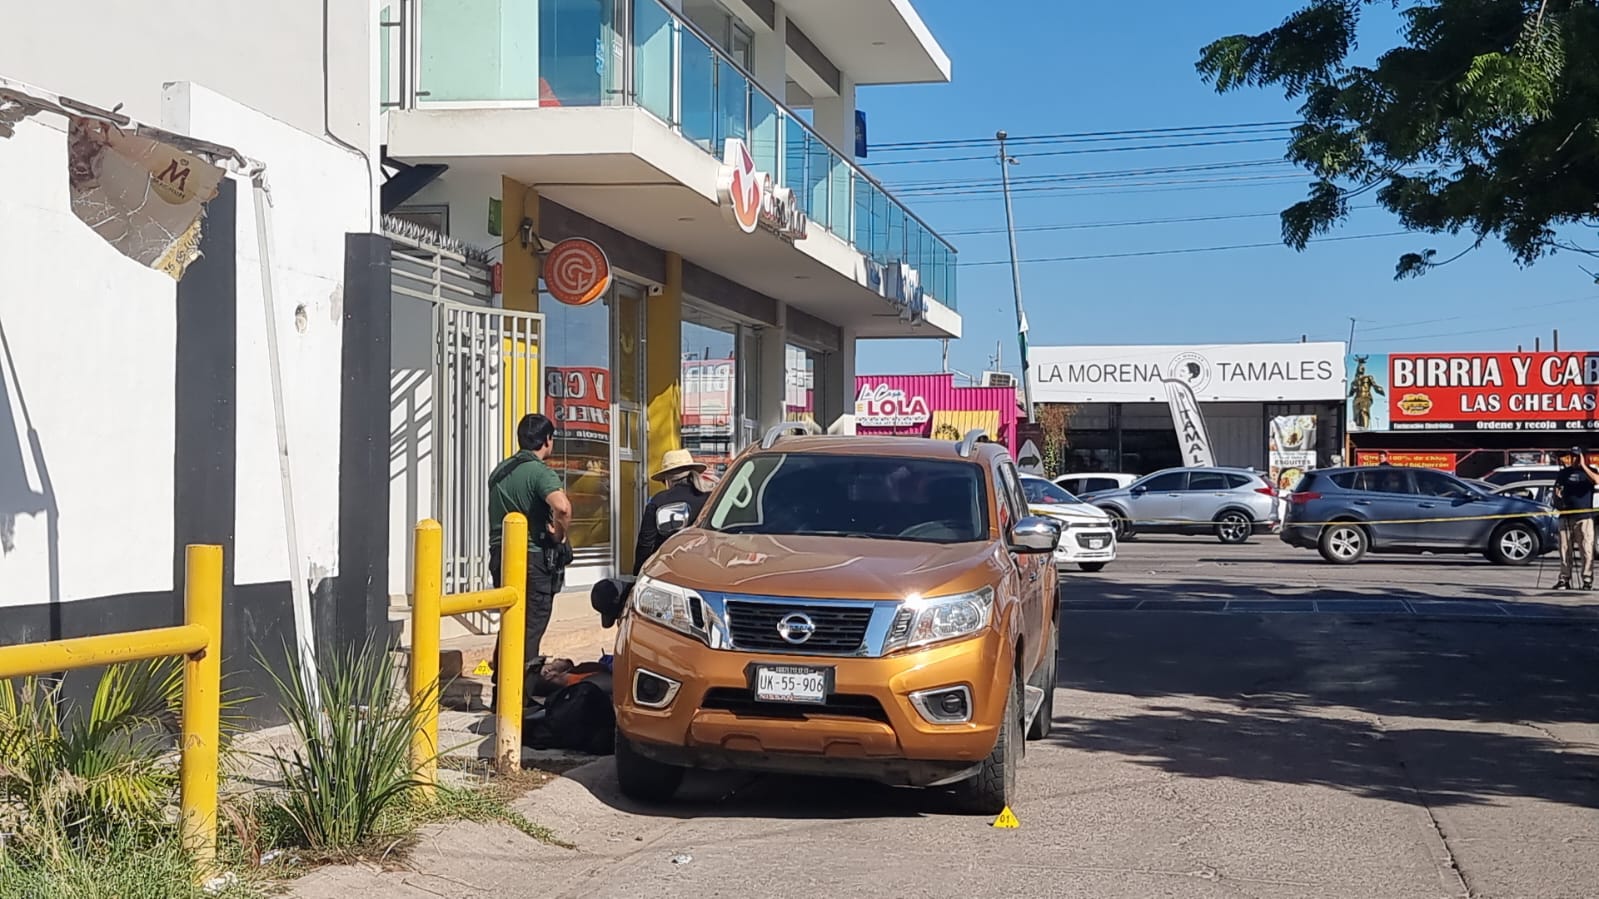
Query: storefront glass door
x=578, y=397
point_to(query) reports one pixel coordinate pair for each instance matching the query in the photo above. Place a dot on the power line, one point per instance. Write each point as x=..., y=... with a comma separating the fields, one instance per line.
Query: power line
x=1071, y=136
x=1055, y=177
x=1109, y=189
x=1084, y=151
x=1183, y=251
x=1130, y=223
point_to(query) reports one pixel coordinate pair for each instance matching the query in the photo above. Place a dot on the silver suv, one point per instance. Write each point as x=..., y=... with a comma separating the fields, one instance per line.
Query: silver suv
x=1232, y=503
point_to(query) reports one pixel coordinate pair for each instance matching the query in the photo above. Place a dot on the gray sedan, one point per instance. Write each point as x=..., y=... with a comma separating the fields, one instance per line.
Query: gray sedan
x=1231, y=503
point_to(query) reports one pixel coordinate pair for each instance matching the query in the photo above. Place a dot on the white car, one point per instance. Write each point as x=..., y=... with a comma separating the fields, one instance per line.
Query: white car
x=1081, y=485
x=1087, y=538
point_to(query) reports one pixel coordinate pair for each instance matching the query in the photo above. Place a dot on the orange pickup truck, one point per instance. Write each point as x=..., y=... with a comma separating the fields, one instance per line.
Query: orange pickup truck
x=869, y=607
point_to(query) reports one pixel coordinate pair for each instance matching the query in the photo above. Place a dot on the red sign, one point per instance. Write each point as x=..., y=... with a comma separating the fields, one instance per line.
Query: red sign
x=1440, y=461
x=1493, y=391
x=576, y=271
x=578, y=398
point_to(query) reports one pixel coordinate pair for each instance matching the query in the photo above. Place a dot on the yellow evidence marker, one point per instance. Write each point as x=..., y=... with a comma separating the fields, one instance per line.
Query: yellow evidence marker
x=1007, y=820
x=482, y=669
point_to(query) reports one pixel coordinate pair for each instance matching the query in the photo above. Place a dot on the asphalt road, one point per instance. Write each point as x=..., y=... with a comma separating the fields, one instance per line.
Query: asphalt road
x=1203, y=748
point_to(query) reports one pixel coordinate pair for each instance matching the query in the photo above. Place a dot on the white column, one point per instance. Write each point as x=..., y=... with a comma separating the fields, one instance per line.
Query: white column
x=834, y=117
x=773, y=372
x=771, y=55
x=839, y=384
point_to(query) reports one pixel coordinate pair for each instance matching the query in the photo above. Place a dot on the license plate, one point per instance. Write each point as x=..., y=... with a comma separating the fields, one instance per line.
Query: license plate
x=1096, y=544
x=790, y=683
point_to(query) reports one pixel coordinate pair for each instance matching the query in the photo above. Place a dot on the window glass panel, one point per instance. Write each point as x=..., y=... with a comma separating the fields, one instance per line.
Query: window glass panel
x=799, y=384
x=1172, y=480
x=578, y=397
x=1207, y=480
x=710, y=369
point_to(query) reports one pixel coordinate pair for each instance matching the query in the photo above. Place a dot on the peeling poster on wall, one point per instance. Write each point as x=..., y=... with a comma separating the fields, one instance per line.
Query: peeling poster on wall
x=144, y=196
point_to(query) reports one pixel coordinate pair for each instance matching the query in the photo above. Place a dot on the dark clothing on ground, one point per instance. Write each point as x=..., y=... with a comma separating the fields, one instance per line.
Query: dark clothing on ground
x=1574, y=492
x=649, y=539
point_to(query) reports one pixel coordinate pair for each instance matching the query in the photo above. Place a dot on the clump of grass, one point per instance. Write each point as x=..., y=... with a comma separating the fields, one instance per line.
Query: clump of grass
x=123, y=865
x=486, y=803
x=351, y=766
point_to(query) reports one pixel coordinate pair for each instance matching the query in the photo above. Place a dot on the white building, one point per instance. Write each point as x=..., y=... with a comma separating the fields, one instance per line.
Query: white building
x=491, y=133
x=1119, y=418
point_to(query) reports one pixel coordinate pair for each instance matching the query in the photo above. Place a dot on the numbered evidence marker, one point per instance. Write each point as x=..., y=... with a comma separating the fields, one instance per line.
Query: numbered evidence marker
x=1007, y=820
x=482, y=669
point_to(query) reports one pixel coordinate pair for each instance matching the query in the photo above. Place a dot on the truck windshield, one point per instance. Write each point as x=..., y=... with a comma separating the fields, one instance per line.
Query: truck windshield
x=880, y=497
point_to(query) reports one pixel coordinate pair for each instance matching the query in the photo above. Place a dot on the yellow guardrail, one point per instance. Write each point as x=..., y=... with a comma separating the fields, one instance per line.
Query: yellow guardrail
x=429, y=605
x=199, y=641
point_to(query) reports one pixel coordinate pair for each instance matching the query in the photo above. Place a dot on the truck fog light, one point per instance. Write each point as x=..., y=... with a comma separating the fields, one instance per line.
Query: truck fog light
x=944, y=705
x=654, y=691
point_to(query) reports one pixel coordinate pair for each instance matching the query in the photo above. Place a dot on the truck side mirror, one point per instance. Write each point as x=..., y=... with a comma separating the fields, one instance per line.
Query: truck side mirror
x=671, y=518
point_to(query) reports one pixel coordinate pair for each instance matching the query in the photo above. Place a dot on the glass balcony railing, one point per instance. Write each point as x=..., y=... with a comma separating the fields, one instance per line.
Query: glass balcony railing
x=474, y=53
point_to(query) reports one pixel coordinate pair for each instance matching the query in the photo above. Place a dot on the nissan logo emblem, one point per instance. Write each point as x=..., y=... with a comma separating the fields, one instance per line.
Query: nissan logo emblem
x=796, y=627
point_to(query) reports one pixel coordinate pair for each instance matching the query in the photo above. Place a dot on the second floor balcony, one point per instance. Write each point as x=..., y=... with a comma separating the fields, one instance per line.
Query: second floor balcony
x=493, y=56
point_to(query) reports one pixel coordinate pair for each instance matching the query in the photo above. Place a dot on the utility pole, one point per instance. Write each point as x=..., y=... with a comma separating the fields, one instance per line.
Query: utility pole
x=1005, y=162
x=1351, y=349
x=945, y=366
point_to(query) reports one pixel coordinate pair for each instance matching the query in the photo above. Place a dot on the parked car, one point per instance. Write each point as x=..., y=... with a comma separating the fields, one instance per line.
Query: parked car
x=869, y=607
x=1232, y=503
x=1347, y=512
x=1087, y=539
x=1510, y=474
x=1082, y=485
x=1540, y=490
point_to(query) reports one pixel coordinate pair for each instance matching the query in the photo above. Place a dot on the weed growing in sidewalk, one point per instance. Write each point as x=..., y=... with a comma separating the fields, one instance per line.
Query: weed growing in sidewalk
x=351, y=767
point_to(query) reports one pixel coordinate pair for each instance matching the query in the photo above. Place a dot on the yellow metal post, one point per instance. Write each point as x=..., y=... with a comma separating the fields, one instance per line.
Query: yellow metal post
x=202, y=705
x=513, y=650
x=427, y=585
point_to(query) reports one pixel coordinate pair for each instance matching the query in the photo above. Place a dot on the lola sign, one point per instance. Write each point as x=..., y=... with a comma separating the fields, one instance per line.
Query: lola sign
x=882, y=406
x=752, y=198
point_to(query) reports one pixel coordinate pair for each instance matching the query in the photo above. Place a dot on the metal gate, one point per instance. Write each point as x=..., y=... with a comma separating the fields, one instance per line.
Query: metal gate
x=486, y=374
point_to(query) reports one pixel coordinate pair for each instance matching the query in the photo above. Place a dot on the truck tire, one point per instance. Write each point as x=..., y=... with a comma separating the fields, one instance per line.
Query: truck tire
x=993, y=788
x=643, y=779
x=1044, y=721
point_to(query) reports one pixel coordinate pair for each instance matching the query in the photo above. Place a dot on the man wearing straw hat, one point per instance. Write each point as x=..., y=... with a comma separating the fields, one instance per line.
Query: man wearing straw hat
x=1573, y=499
x=686, y=482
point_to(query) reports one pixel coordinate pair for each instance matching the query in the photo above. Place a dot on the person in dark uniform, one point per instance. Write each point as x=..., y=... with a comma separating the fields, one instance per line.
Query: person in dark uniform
x=686, y=482
x=524, y=483
x=1573, y=499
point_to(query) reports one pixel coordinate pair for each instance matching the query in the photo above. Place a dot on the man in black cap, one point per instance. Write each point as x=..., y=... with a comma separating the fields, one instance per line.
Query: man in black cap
x=1573, y=499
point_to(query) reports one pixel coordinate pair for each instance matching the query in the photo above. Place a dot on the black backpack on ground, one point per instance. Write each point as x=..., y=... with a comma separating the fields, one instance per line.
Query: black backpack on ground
x=578, y=716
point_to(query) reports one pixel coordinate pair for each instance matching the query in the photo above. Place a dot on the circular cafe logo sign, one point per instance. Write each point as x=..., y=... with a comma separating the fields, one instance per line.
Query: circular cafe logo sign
x=576, y=271
x=1190, y=368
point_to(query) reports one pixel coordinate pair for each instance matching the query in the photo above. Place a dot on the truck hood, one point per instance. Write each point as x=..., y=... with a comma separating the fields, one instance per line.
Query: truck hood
x=824, y=567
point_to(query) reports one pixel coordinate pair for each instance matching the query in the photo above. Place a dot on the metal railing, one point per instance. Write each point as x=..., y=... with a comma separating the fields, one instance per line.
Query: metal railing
x=428, y=604
x=449, y=54
x=199, y=641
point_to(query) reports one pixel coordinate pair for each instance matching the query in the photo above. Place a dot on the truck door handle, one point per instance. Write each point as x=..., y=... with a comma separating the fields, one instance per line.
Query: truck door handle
x=1428, y=505
x=1362, y=502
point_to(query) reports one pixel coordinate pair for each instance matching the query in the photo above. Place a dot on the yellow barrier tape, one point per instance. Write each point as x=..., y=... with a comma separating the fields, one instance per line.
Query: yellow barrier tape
x=1553, y=513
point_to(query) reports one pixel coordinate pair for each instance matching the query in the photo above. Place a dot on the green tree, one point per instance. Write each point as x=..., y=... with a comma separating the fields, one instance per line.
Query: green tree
x=1483, y=122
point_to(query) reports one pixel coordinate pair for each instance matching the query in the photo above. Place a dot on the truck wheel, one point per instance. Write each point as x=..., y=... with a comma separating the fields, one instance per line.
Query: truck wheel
x=993, y=787
x=644, y=779
x=1044, y=721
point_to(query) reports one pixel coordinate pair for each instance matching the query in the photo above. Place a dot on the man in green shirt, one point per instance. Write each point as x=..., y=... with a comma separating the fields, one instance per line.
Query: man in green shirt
x=524, y=483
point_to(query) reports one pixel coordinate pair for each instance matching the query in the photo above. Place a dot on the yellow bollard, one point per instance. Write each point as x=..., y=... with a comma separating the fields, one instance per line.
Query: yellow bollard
x=202, y=705
x=513, y=649
x=427, y=585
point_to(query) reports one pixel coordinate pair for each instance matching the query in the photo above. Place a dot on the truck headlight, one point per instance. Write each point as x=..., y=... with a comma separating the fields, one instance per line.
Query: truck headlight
x=676, y=607
x=921, y=621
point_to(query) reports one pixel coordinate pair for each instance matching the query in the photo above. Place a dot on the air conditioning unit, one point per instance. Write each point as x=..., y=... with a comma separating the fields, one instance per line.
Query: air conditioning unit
x=998, y=379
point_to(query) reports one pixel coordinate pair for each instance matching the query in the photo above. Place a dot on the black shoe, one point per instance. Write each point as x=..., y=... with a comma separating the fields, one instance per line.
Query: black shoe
x=1562, y=585
x=1587, y=583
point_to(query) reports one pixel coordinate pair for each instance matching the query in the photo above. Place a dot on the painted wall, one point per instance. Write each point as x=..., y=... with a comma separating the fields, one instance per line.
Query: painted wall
x=936, y=393
x=94, y=432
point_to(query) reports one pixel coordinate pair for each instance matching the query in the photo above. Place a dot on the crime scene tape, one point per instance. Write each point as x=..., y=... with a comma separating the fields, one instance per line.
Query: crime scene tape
x=1524, y=516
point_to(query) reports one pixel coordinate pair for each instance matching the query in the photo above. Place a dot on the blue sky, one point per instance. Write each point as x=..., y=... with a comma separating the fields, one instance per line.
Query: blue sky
x=1035, y=67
